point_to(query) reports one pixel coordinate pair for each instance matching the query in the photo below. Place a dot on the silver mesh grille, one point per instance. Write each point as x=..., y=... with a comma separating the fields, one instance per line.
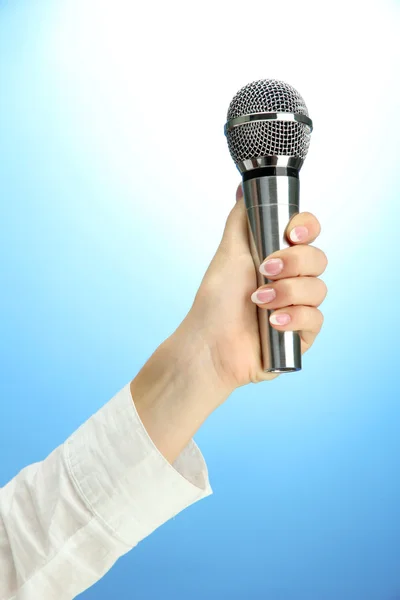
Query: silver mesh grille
x=267, y=138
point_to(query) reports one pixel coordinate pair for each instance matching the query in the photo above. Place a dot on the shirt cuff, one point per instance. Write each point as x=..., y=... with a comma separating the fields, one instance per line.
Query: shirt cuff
x=123, y=478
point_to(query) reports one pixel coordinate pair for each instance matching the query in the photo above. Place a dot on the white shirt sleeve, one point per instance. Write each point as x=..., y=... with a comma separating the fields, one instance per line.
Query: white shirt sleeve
x=65, y=521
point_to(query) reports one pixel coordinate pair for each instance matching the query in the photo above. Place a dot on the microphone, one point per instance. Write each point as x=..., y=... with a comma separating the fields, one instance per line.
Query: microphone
x=268, y=131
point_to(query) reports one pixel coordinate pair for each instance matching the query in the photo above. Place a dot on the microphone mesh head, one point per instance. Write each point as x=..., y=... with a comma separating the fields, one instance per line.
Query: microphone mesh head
x=267, y=138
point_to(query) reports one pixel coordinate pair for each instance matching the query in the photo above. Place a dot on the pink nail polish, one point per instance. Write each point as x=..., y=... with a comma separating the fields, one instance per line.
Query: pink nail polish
x=299, y=234
x=280, y=319
x=239, y=193
x=273, y=266
x=263, y=296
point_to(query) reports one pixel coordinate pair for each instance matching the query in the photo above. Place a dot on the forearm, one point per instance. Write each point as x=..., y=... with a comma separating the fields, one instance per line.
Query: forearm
x=176, y=390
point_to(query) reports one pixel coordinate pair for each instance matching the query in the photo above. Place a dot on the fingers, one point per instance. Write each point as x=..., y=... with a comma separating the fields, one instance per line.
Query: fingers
x=305, y=319
x=293, y=262
x=294, y=292
x=308, y=291
x=303, y=228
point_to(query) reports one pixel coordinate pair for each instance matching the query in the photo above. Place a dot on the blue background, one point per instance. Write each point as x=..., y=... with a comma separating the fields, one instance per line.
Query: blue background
x=306, y=469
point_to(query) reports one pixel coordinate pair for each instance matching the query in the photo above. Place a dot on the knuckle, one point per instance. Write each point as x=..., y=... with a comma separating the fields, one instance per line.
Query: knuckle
x=323, y=290
x=286, y=289
x=308, y=317
x=303, y=315
x=310, y=217
x=324, y=258
x=319, y=319
x=297, y=258
x=324, y=287
x=318, y=257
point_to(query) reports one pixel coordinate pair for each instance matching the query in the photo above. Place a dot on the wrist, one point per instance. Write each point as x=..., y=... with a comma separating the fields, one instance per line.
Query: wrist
x=176, y=390
x=193, y=361
x=194, y=358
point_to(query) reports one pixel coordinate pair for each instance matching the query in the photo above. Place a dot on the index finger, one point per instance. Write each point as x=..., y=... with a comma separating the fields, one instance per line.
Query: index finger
x=303, y=228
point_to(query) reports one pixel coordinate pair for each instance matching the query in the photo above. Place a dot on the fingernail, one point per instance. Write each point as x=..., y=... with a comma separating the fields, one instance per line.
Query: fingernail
x=280, y=319
x=299, y=234
x=273, y=266
x=239, y=192
x=263, y=296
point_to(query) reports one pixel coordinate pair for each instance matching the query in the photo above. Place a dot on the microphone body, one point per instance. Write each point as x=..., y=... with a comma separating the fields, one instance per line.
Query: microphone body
x=271, y=201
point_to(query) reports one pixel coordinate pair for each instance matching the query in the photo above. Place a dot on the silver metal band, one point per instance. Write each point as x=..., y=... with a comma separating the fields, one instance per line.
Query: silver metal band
x=270, y=116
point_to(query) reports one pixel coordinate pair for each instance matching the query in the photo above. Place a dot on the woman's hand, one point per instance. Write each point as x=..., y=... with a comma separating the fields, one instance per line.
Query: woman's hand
x=224, y=312
x=216, y=348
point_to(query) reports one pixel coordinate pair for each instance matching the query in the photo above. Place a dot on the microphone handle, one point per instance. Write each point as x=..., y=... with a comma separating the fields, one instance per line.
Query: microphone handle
x=271, y=201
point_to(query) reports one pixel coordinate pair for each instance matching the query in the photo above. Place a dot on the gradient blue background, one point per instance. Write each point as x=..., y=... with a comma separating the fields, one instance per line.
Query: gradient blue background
x=306, y=469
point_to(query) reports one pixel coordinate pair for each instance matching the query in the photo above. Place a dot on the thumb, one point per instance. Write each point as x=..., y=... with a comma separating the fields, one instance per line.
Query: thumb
x=239, y=192
x=234, y=246
x=235, y=238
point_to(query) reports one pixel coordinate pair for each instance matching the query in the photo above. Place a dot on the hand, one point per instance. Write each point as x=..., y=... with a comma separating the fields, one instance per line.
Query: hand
x=216, y=348
x=224, y=312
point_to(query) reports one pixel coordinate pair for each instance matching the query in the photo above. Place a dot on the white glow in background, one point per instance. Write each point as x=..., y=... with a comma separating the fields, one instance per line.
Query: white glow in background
x=148, y=86
x=152, y=83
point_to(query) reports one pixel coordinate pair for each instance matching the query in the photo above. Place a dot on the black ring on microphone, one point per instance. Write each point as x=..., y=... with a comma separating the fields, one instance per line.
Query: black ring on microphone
x=270, y=172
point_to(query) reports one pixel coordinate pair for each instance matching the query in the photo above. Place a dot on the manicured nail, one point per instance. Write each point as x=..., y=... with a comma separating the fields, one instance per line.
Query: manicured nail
x=263, y=296
x=273, y=266
x=239, y=192
x=299, y=234
x=280, y=319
